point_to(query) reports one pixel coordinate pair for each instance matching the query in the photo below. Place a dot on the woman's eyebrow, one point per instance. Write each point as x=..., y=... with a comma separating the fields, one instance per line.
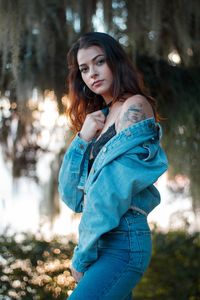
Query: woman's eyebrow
x=93, y=59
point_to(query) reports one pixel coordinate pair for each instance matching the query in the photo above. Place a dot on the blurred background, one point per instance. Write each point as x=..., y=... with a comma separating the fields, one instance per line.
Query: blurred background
x=38, y=232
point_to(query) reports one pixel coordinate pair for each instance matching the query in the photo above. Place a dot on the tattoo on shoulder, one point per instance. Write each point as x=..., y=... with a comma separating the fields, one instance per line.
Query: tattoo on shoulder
x=134, y=114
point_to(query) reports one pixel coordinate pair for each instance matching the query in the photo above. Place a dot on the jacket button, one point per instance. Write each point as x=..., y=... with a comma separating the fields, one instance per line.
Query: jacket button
x=128, y=133
x=81, y=146
x=104, y=149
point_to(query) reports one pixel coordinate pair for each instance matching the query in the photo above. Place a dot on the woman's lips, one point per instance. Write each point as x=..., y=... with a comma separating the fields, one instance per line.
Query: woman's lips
x=97, y=83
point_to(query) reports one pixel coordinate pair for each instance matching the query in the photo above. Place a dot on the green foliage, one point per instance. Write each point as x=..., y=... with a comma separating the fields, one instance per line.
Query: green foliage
x=35, y=269
x=177, y=91
x=174, y=269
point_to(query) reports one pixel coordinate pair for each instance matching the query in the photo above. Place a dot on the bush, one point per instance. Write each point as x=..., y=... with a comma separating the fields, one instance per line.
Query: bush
x=35, y=269
x=174, y=269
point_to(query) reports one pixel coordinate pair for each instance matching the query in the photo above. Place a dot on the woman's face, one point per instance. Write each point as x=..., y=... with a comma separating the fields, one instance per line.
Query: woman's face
x=95, y=71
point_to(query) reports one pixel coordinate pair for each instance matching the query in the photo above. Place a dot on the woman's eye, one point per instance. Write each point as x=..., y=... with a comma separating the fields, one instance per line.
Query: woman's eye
x=83, y=70
x=101, y=61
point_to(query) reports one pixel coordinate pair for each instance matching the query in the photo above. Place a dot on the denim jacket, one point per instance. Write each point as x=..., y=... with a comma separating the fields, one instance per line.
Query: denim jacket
x=122, y=175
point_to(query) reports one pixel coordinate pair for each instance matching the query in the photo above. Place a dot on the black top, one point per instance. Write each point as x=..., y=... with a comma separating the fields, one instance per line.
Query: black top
x=104, y=138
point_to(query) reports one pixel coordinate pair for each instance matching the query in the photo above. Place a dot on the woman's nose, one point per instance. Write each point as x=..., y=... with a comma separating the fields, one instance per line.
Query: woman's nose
x=93, y=72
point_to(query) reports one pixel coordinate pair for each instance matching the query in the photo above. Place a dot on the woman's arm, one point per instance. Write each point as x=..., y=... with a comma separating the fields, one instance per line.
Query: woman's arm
x=134, y=110
x=73, y=167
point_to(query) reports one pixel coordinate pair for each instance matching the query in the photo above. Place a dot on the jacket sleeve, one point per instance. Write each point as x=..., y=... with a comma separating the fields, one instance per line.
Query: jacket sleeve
x=110, y=196
x=70, y=173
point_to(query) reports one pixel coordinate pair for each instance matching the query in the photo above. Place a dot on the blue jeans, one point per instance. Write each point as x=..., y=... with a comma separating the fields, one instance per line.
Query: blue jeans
x=124, y=255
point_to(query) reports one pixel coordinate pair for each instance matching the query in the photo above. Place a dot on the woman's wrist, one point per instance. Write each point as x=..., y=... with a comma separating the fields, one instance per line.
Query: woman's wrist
x=83, y=138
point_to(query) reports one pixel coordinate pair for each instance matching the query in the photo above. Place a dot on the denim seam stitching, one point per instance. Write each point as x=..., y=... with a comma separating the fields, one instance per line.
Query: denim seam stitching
x=114, y=281
x=139, y=246
x=129, y=239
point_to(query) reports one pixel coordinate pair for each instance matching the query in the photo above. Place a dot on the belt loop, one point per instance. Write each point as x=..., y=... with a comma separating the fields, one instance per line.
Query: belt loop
x=139, y=210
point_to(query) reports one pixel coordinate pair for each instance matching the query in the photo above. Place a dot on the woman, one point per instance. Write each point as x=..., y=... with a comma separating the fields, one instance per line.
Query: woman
x=109, y=169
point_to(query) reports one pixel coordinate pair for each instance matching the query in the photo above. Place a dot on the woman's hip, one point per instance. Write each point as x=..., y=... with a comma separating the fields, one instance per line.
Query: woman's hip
x=123, y=256
x=130, y=241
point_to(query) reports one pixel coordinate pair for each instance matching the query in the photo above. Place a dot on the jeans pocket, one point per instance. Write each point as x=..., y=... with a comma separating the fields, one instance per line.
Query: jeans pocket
x=141, y=249
x=114, y=239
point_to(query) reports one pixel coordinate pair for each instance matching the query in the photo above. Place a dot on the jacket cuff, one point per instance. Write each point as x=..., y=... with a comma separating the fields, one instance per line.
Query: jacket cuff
x=77, y=265
x=79, y=144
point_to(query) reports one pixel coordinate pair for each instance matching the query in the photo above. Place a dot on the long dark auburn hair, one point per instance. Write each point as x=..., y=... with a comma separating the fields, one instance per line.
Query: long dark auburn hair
x=126, y=81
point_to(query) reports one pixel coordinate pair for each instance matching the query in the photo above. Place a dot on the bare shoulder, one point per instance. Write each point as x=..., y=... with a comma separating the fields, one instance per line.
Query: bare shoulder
x=134, y=110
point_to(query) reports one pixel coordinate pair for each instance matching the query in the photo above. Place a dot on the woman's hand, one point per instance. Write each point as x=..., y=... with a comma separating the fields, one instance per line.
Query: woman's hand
x=92, y=124
x=77, y=275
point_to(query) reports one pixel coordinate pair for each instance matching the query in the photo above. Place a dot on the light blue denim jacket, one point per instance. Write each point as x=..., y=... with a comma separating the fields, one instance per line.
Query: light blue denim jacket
x=122, y=175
